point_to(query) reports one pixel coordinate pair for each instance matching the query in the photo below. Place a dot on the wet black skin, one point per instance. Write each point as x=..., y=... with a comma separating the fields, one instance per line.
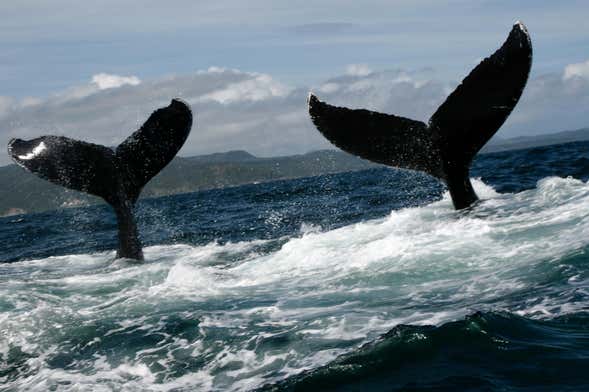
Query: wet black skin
x=119, y=175
x=446, y=146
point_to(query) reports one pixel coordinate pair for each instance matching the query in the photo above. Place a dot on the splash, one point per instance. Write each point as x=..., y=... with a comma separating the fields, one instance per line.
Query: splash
x=237, y=315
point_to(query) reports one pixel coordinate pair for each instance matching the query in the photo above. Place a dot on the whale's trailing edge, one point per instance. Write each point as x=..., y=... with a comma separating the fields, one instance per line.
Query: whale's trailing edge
x=117, y=176
x=460, y=127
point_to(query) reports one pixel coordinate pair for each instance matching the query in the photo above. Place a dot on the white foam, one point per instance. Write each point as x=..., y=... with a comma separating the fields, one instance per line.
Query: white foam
x=425, y=265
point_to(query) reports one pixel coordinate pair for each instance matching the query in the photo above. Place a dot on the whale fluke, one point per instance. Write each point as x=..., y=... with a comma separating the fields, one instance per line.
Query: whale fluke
x=445, y=147
x=116, y=176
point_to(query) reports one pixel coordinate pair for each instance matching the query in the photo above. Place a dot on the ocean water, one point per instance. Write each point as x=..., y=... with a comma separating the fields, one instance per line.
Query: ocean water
x=354, y=281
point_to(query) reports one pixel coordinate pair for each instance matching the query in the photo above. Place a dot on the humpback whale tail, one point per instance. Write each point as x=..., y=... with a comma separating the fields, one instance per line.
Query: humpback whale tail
x=460, y=127
x=119, y=175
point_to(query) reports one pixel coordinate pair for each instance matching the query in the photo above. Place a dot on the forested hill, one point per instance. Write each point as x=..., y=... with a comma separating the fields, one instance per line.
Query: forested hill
x=22, y=192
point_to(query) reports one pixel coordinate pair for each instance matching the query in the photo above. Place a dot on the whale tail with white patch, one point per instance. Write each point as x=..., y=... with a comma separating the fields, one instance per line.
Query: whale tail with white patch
x=460, y=127
x=117, y=176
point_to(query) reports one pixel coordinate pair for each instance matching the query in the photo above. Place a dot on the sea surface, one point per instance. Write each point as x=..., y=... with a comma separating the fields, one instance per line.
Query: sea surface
x=356, y=281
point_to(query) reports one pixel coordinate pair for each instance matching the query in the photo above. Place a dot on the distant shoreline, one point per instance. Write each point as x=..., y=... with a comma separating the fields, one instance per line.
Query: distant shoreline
x=522, y=142
x=23, y=193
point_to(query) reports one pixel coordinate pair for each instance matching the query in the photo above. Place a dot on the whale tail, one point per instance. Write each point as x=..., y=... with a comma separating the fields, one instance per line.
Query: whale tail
x=445, y=147
x=117, y=176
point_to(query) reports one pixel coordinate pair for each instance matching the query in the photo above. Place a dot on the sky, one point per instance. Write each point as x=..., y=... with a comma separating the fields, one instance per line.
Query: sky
x=96, y=70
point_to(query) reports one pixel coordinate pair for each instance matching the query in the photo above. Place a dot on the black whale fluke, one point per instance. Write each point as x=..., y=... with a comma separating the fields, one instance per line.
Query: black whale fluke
x=460, y=127
x=117, y=176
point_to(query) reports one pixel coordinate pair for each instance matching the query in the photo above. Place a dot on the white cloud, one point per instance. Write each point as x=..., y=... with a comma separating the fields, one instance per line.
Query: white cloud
x=98, y=82
x=410, y=94
x=233, y=110
x=104, y=81
x=30, y=101
x=258, y=88
x=576, y=70
x=6, y=103
x=551, y=103
x=254, y=112
x=215, y=69
x=358, y=70
x=329, y=88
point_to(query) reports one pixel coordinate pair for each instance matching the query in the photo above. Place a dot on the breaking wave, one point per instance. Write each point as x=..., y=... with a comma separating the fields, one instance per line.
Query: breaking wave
x=238, y=315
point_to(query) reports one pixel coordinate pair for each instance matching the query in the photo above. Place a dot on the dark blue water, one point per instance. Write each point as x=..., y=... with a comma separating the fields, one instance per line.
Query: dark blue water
x=261, y=211
x=355, y=281
x=275, y=209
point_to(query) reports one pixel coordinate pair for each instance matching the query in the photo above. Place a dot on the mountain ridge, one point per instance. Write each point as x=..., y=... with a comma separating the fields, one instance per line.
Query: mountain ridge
x=22, y=192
